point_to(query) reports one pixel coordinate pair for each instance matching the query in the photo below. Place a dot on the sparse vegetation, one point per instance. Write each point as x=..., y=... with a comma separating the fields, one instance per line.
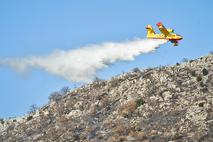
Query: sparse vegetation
x=185, y=60
x=97, y=79
x=139, y=135
x=65, y=90
x=160, y=104
x=33, y=108
x=177, y=136
x=121, y=128
x=55, y=96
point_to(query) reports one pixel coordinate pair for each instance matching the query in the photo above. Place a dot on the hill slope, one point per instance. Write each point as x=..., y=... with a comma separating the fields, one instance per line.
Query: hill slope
x=160, y=104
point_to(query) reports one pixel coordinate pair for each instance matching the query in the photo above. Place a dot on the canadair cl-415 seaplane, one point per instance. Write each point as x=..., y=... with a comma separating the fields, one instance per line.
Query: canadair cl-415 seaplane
x=167, y=34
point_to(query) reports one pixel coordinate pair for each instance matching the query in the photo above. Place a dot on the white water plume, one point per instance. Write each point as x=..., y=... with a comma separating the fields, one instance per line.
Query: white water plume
x=81, y=65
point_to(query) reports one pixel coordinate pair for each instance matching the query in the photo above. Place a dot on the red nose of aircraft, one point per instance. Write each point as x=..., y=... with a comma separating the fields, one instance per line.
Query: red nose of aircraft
x=159, y=24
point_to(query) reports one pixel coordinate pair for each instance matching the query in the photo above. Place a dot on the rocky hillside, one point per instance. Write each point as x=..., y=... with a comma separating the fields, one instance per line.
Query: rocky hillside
x=172, y=103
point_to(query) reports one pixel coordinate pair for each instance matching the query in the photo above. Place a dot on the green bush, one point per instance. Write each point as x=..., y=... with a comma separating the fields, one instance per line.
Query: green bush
x=191, y=61
x=139, y=103
x=199, y=78
x=136, y=70
x=177, y=136
x=205, y=72
x=1, y=120
x=201, y=104
x=29, y=118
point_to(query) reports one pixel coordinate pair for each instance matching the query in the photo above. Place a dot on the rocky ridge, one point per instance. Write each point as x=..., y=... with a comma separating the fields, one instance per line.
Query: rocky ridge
x=173, y=103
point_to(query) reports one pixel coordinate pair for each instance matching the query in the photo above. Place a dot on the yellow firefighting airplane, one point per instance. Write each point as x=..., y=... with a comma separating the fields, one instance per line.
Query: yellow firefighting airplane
x=167, y=34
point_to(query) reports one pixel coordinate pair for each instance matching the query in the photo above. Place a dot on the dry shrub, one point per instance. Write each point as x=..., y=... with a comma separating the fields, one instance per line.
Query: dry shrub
x=60, y=109
x=117, y=138
x=108, y=124
x=93, y=110
x=103, y=102
x=89, y=129
x=121, y=128
x=138, y=135
x=128, y=108
x=63, y=119
x=52, y=133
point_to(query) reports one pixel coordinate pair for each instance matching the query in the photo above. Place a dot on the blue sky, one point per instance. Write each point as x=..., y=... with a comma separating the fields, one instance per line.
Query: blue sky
x=29, y=27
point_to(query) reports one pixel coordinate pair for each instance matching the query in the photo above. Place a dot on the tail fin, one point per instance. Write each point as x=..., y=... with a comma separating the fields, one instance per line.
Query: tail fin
x=150, y=31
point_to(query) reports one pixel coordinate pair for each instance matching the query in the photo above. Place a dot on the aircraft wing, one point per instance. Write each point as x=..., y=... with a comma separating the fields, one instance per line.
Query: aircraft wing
x=162, y=29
